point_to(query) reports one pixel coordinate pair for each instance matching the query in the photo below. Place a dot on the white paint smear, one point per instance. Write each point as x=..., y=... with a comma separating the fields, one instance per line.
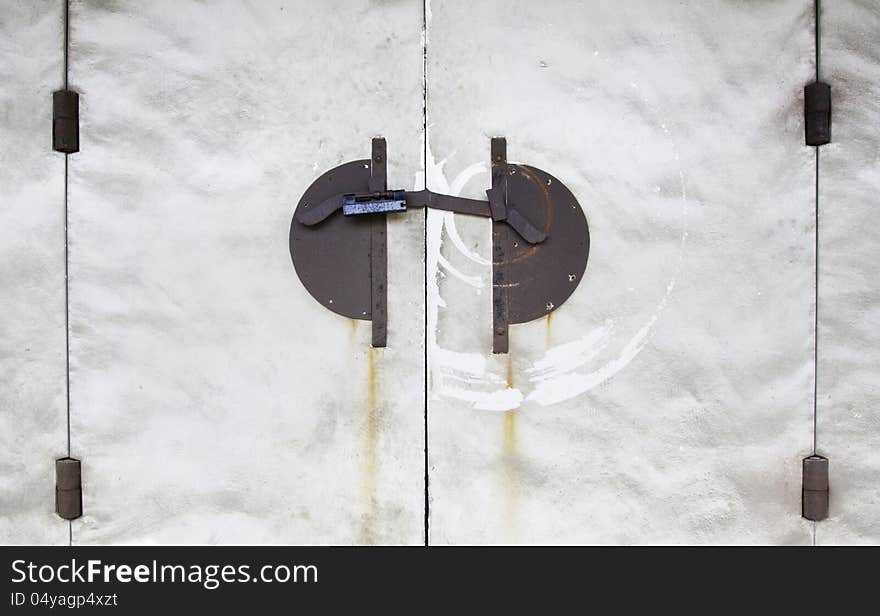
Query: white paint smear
x=563, y=371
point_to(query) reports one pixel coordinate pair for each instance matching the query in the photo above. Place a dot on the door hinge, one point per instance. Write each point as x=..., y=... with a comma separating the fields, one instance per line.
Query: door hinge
x=68, y=488
x=65, y=121
x=817, y=113
x=814, y=500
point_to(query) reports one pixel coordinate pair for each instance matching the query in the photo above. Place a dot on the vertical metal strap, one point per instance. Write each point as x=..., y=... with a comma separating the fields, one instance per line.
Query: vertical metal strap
x=500, y=238
x=379, y=248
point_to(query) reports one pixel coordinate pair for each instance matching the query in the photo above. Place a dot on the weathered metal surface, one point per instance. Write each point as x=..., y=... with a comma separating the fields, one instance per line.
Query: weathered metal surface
x=193, y=342
x=501, y=242
x=379, y=247
x=447, y=203
x=532, y=274
x=848, y=395
x=33, y=431
x=332, y=257
x=670, y=400
x=543, y=275
x=379, y=279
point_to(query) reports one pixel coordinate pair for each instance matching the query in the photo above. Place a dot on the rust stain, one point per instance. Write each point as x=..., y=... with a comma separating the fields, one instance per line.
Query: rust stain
x=509, y=470
x=548, y=342
x=509, y=461
x=371, y=445
x=509, y=441
x=353, y=332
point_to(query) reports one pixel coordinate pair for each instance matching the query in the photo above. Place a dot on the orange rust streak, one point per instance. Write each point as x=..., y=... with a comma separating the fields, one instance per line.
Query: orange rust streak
x=509, y=459
x=509, y=441
x=371, y=443
x=352, y=337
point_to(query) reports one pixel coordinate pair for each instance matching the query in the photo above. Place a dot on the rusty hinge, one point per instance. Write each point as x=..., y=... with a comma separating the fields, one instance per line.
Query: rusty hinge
x=817, y=113
x=68, y=488
x=65, y=121
x=815, y=488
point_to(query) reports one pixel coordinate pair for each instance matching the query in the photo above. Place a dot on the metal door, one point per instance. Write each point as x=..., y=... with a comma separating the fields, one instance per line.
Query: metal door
x=670, y=399
x=154, y=328
x=212, y=399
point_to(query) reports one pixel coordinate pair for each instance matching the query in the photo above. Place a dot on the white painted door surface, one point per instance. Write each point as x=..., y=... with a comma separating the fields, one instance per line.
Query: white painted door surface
x=849, y=250
x=33, y=407
x=670, y=399
x=213, y=400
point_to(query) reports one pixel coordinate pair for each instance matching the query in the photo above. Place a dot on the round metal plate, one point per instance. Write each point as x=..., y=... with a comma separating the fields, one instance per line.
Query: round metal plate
x=542, y=276
x=332, y=258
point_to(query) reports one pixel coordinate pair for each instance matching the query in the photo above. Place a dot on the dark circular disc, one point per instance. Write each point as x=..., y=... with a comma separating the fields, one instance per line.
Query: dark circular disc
x=332, y=258
x=542, y=276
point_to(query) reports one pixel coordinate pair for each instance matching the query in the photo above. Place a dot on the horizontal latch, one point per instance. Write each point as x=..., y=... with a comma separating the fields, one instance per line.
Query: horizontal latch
x=355, y=204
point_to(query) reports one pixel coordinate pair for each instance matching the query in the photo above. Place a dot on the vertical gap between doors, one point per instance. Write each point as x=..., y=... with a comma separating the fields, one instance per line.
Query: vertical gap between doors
x=425, y=260
x=816, y=27
x=67, y=260
x=816, y=13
